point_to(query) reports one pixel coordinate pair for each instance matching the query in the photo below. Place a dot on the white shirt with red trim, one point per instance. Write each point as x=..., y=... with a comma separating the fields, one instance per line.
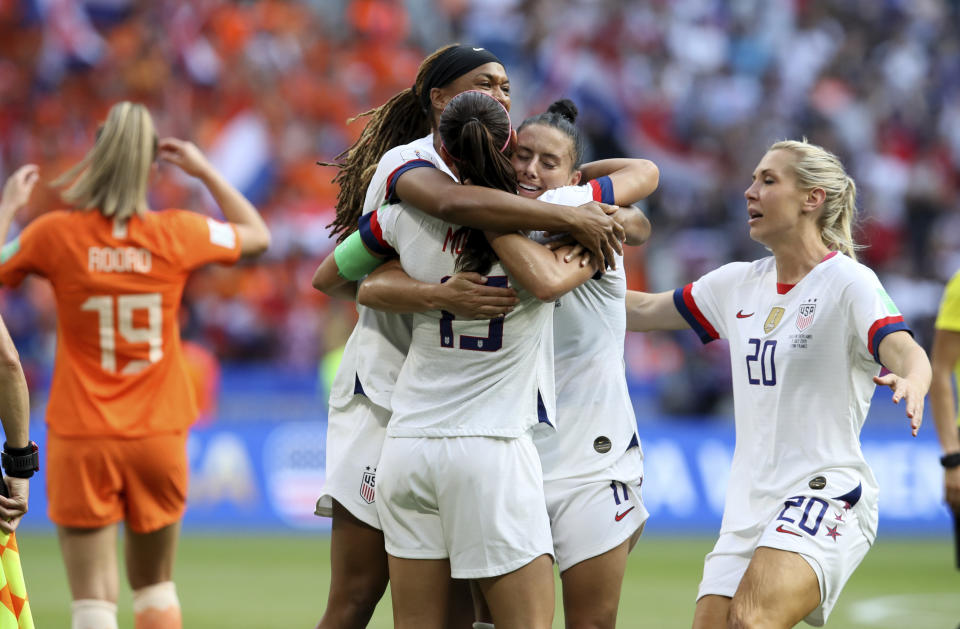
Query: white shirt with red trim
x=461, y=378
x=803, y=360
x=378, y=344
x=595, y=419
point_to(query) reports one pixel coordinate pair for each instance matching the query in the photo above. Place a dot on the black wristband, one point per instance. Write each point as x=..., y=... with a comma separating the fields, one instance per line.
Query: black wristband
x=951, y=460
x=20, y=462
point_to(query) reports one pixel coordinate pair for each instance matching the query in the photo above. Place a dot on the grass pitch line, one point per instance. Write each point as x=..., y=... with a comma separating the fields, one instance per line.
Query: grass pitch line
x=920, y=611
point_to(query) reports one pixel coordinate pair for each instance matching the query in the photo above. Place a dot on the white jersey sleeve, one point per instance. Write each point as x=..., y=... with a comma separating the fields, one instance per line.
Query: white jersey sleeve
x=395, y=162
x=873, y=315
x=703, y=303
x=376, y=348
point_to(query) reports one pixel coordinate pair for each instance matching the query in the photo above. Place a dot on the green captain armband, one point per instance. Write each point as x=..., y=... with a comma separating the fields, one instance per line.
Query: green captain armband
x=354, y=260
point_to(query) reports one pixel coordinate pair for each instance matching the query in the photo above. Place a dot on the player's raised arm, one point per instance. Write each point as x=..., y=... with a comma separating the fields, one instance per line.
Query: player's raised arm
x=653, y=311
x=435, y=193
x=16, y=193
x=253, y=232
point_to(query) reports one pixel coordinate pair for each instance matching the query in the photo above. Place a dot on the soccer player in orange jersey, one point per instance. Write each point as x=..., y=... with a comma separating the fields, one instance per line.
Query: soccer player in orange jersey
x=121, y=400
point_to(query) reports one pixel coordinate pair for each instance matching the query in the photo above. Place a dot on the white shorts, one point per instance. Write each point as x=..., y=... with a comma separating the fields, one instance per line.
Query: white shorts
x=475, y=500
x=590, y=515
x=355, y=437
x=825, y=531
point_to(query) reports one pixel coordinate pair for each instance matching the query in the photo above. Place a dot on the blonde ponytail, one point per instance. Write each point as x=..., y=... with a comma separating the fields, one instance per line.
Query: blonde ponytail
x=113, y=175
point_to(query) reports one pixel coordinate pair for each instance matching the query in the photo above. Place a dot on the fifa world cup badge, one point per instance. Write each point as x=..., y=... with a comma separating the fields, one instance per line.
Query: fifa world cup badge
x=773, y=319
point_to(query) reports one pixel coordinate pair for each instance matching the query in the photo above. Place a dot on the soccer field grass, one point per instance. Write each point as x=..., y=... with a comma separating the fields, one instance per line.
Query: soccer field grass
x=270, y=581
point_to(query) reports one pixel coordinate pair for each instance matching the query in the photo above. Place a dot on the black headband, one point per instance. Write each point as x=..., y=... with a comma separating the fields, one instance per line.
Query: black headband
x=451, y=64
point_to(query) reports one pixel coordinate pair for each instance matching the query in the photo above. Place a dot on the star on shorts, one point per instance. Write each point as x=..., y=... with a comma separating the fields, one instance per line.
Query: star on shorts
x=833, y=532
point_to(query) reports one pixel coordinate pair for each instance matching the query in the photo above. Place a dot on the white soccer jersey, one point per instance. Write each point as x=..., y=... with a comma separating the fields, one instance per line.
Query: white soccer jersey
x=463, y=378
x=803, y=360
x=595, y=419
x=378, y=344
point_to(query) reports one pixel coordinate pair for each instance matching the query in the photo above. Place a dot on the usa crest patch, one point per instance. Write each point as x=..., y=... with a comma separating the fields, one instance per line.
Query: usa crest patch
x=368, y=485
x=805, y=315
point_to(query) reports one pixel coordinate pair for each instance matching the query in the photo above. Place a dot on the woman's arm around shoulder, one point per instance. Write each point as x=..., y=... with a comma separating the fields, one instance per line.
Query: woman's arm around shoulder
x=435, y=193
x=632, y=179
x=542, y=272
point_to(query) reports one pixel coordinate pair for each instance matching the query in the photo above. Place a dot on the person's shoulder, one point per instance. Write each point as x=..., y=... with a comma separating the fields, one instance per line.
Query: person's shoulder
x=744, y=271
x=420, y=149
x=568, y=195
x=58, y=218
x=847, y=270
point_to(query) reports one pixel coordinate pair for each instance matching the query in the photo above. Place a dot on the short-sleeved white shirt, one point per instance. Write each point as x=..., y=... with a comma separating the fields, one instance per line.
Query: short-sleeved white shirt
x=463, y=378
x=595, y=419
x=803, y=360
x=378, y=344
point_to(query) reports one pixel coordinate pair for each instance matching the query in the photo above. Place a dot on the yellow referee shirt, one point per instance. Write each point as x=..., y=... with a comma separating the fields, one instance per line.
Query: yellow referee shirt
x=949, y=317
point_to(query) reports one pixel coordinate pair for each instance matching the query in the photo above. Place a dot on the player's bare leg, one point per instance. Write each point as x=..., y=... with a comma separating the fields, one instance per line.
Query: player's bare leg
x=420, y=592
x=524, y=598
x=591, y=589
x=778, y=590
x=712, y=612
x=358, y=572
x=150, y=558
x=90, y=557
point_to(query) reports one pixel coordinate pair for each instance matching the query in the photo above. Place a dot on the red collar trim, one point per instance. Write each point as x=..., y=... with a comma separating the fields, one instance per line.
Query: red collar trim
x=783, y=289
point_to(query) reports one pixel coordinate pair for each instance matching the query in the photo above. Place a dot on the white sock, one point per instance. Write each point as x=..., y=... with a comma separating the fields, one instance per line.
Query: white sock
x=92, y=613
x=483, y=625
x=156, y=596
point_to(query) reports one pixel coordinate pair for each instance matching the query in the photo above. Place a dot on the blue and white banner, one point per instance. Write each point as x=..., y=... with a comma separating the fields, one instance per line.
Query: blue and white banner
x=262, y=476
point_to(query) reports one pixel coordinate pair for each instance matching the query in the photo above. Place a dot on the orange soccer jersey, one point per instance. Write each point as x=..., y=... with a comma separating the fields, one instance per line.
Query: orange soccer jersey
x=119, y=368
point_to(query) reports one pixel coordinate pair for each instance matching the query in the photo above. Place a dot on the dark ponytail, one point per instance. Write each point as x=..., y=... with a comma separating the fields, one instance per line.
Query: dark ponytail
x=475, y=129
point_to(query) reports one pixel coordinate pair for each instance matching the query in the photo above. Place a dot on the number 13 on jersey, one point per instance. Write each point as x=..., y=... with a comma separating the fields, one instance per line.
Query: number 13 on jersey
x=125, y=307
x=489, y=343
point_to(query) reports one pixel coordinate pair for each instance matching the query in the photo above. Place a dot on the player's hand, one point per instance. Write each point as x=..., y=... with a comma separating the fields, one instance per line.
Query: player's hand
x=598, y=231
x=571, y=250
x=13, y=508
x=467, y=296
x=19, y=185
x=951, y=484
x=904, y=389
x=185, y=155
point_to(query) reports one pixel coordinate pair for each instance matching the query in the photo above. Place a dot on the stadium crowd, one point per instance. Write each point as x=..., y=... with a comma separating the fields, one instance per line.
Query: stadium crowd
x=700, y=87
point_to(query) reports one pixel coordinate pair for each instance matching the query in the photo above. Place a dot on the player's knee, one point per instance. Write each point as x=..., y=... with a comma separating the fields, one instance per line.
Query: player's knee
x=745, y=616
x=608, y=621
x=360, y=596
x=157, y=607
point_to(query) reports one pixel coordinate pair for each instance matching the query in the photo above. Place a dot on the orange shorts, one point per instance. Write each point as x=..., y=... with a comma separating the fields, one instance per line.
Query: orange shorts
x=95, y=482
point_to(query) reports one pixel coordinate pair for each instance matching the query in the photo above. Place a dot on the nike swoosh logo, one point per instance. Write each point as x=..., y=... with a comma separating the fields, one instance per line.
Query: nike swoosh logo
x=780, y=529
x=740, y=315
x=621, y=516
